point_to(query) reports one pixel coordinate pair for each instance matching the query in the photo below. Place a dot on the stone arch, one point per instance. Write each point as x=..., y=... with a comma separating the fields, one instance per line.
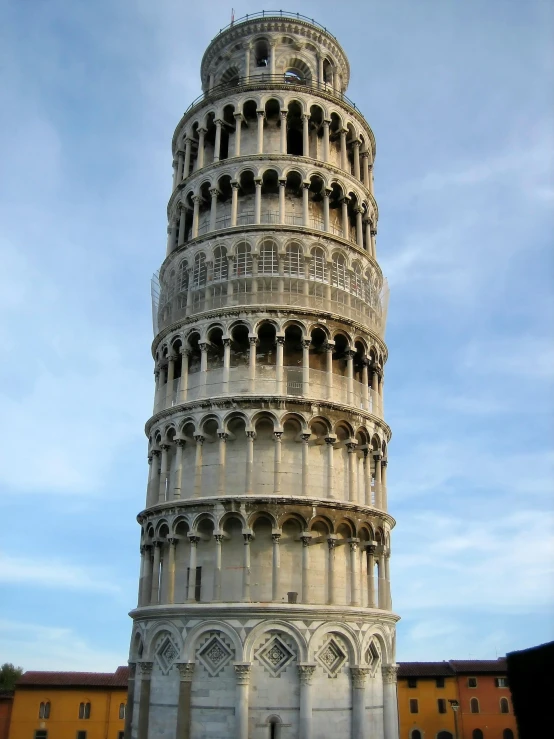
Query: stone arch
x=157, y=630
x=279, y=626
x=382, y=637
x=342, y=630
x=197, y=631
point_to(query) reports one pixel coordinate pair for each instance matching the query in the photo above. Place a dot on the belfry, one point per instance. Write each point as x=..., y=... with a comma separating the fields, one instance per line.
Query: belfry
x=264, y=607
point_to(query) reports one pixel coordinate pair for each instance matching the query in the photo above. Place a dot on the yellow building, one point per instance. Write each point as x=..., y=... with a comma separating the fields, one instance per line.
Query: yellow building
x=70, y=705
x=424, y=691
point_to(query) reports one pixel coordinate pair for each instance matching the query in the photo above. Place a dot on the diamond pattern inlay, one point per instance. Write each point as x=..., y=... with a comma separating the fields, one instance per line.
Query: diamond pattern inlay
x=215, y=655
x=331, y=657
x=167, y=654
x=275, y=656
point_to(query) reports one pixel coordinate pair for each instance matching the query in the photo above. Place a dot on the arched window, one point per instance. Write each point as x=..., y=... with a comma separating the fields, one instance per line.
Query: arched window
x=122, y=710
x=44, y=710
x=444, y=735
x=84, y=710
x=200, y=272
x=318, y=266
x=243, y=263
x=183, y=277
x=477, y=733
x=220, y=264
x=507, y=734
x=268, y=263
x=274, y=727
x=293, y=261
x=504, y=705
x=474, y=705
x=230, y=76
x=357, y=281
x=339, y=274
x=416, y=734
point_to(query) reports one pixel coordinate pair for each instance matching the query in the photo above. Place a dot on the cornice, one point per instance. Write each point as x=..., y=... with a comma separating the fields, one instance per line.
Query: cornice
x=299, y=90
x=241, y=310
x=369, y=616
x=270, y=158
x=175, y=506
x=255, y=401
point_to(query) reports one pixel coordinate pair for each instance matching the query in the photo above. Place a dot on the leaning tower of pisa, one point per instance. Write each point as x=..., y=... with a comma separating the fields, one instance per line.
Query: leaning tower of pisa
x=264, y=607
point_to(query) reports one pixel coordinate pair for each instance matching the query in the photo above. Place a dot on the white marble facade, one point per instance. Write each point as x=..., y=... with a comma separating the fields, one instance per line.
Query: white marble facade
x=264, y=608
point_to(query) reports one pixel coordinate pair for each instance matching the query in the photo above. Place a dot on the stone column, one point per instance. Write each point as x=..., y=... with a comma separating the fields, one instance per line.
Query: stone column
x=367, y=476
x=157, y=374
x=279, y=364
x=356, y=152
x=390, y=705
x=305, y=135
x=305, y=204
x=374, y=391
x=183, y=730
x=373, y=245
x=282, y=207
x=155, y=591
x=371, y=576
x=182, y=218
x=326, y=220
x=179, y=446
x=185, y=353
x=246, y=568
x=242, y=674
x=354, y=574
x=130, y=700
x=171, y=570
x=238, y=129
x=381, y=394
x=331, y=542
x=343, y=154
x=247, y=62
x=305, y=463
x=330, y=440
x=306, y=366
x=365, y=388
x=320, y=75
x=384, y=502
x=258, y=201
x=367, y=228
x=170, y=380
x=188, y=149
x=193, y=540
x=277, y=435
x=377, y=477
x=203, y=345
x=329, y=347
x=222, y=462
x=276, y=566
x=359, y=722
x=344, y=216
x=387, y=582
x=144, y=554
x=352, y=488
x=226, y=363
x=217, y=145
x=305, y=673
x=283, y=115
x=261, y=116
x=199, y=439
x=326, y=124
x=253, y=340
x=382, y=584
x=195, y=214
x=365, y=168
x=200, y=156
x=350, y=375
x=214, y=192
x=306, y=539
x=163, y=473
x=234, y=203
x=370, y=167
x=147, y=585
x=145, y=671
x=359, y=228
x=217, y=566
x=250, y=436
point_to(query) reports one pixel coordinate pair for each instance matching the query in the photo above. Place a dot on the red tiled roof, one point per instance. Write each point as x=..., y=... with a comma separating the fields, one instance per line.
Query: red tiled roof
x=117, y=679
x=425, y=669
x=466, y=666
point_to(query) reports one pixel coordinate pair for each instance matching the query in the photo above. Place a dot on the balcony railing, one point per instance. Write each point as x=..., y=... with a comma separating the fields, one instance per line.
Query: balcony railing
x=273, y=14
x=272, y=218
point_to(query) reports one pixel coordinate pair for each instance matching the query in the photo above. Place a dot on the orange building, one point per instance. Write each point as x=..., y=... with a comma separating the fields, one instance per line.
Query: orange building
x=69, y=705
x=486, y=710
x=6, y=702
x=428, y=693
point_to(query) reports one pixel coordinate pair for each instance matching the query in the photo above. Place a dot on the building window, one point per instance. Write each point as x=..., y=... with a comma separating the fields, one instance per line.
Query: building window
x=416, y=734
x=122, y=710
x=504, y=705
x=84, y=710
x=44, y=710
x=41, y=734
x=414, y=707
x=412, y=682
x=477, y=734
x=444, y=735
x=81, y=735
x=441, y=705
x=120, y=735
x=501, y=682
x=507, y=734
x=472, y=682
x=439, y=682
x=474, y=705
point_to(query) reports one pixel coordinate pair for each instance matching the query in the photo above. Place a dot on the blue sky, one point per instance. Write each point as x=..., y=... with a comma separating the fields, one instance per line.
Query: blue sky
x=459, y=96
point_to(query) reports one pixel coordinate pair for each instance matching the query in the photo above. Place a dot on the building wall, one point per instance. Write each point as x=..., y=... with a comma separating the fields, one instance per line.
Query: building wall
x=489, y=719
x=6, y=702
x=428, y=719
x=64, y=722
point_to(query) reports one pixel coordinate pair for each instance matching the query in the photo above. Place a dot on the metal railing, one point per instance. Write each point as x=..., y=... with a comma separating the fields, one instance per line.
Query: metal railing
x=272, y=14
x=271, y=217
x=267, y=80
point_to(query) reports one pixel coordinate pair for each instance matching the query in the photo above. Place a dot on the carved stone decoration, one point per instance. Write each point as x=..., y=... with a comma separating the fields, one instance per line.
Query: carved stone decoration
x=372, y=657
x=145, y=669
x=359, y=675
x=331, y=657
x=167, y=654
x=215, y=654
x=186, y=670
x=305, y=673
x=275, y=655
x=242, y=672
x=389, y=673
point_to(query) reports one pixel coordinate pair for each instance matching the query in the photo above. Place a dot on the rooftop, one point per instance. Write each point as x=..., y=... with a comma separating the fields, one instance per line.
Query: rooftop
x=117, y=679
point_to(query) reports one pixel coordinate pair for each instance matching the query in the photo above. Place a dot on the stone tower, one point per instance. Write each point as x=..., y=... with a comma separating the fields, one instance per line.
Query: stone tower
x=264, y=607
